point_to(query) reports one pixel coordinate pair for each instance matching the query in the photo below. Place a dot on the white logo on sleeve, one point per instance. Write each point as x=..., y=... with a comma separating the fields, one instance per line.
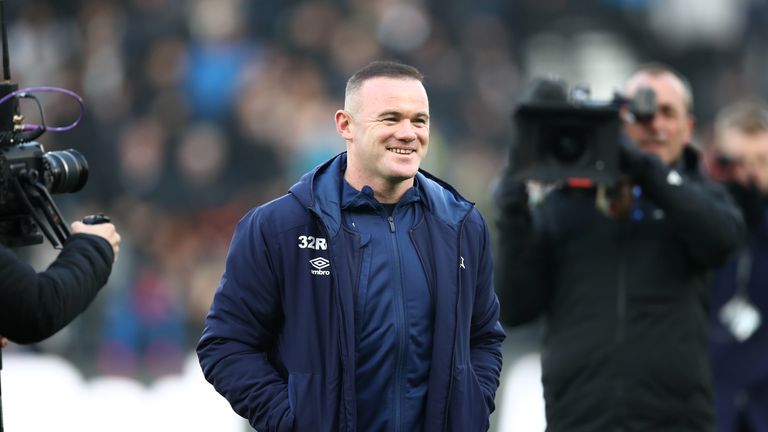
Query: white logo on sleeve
x=319, y=265
x=461, y=263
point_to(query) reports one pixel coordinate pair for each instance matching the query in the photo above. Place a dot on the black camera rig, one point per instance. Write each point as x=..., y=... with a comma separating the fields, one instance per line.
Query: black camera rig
x=562, y=136
x=29, y=174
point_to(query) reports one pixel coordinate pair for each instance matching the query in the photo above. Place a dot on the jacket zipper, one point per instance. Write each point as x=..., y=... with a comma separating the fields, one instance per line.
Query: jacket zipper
x=401, y=323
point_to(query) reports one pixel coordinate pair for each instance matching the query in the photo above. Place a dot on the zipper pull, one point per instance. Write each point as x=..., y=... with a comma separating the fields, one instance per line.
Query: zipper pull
x=391, y=221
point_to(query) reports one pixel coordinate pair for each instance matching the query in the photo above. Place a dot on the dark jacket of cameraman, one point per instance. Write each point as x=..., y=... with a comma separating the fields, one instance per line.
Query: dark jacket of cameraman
x=625, y=299
x=34, y=306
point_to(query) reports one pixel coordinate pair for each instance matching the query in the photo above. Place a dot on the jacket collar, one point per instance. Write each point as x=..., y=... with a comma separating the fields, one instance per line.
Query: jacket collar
x=353, y=198
x=321, y=191
x=688, y=162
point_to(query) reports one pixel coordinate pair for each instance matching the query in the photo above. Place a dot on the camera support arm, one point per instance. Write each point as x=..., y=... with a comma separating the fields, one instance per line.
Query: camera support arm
x=35, y=191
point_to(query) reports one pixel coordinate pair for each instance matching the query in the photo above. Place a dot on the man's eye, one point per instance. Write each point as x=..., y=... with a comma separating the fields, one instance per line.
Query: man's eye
x=668, y=112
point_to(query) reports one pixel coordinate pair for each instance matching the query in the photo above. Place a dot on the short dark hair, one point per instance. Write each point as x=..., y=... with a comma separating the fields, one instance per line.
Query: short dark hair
x=382, y=68
x=658, y=68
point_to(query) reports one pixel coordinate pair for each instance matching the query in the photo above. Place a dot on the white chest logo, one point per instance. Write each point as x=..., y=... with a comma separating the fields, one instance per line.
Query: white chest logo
x=309, y=242
x=461, y=263
x=319, y=265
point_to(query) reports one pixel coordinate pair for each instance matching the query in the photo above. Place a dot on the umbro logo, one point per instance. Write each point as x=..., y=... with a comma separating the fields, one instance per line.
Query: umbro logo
x=319, y=265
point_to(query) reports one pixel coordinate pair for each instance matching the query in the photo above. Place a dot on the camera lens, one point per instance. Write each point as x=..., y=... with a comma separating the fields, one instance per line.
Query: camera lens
x=568, y=145
x=69, y=170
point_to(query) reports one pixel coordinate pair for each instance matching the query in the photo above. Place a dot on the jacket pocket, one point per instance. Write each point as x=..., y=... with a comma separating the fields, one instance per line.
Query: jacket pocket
x=467, y=410
x=314, y=402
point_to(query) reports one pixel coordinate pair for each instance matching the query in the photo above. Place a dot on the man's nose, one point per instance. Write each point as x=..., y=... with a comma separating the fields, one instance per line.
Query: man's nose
x=656, y=123
x=405, y=131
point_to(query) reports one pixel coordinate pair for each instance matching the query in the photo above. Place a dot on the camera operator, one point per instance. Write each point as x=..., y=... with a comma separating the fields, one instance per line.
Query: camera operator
x=739, y=295
x=34, y=306
x=623, y=291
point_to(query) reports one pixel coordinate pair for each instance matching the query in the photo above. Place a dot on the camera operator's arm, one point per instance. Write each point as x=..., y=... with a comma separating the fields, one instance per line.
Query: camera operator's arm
x=522, y=289
x=701, y=211
x=34, y=306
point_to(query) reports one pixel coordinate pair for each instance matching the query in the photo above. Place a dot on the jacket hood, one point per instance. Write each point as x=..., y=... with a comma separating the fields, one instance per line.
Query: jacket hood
x=320, y=191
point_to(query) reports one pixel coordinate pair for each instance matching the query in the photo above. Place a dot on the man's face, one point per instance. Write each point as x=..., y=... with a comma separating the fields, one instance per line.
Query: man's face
x=671, y=128
x=748, y=154
x=386, y=127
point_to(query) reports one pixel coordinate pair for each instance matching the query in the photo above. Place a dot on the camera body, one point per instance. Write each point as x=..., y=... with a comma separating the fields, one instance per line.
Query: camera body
x=27, y=164
x=562, y=136
x=28, y=175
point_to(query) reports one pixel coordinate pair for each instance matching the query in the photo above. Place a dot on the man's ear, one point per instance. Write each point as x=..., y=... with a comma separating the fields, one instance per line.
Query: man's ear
x=344, y=125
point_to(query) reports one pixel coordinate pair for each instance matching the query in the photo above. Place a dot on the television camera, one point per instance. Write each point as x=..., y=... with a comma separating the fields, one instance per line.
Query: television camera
x=563, y=136
x=29, y=174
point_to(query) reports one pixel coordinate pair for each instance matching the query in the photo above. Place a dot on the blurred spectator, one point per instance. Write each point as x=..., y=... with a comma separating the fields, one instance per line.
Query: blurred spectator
x=142, y=154
x=217, y=58
x=200, y=178
x=740, y=297
x=144, y=329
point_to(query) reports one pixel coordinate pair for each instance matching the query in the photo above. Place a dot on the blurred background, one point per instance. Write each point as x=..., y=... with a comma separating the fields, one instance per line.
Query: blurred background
x=197, y=110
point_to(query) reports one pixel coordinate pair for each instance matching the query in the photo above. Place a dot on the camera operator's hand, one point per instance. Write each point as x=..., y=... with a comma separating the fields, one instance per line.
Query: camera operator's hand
x=511, y=194
x=104, y=230
x=3, y=342
x=633, y=161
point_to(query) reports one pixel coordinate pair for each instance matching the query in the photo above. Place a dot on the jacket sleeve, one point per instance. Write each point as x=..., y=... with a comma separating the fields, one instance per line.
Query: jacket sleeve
x=34, y=306
x=486, y=333
x=701, y=211
x=520, y=275
x=241, y=331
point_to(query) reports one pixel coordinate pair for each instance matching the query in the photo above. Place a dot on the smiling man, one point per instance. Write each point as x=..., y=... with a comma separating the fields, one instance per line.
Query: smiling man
x=387, y=136
x=361, y=300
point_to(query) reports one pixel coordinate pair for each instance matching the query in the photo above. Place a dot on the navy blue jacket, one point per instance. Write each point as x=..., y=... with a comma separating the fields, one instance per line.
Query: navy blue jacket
x=279, y=340
x=741, y=368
